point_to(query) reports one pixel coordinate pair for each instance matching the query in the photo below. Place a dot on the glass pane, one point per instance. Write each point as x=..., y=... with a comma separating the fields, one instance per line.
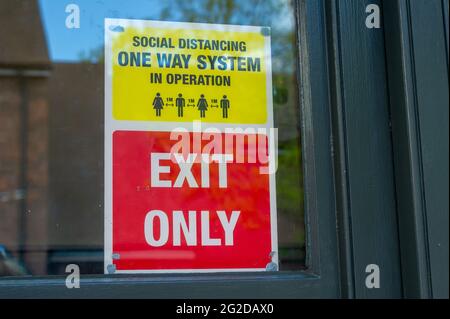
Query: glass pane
x=52, y=134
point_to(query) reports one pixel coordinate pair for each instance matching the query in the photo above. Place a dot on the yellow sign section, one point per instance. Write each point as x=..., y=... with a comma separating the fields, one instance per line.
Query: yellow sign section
x=180, y=72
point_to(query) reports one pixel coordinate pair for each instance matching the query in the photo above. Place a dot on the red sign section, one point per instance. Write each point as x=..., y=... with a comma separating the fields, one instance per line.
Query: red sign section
x=188, y=214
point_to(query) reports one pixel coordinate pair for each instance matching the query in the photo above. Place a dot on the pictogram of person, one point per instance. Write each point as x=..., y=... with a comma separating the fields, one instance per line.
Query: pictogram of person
x=158, y=104
x=225, y=105
x=202, y=105
x=180, y=103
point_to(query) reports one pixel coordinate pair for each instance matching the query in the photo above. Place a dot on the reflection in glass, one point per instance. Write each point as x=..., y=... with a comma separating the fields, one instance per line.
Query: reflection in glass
x=51, y=125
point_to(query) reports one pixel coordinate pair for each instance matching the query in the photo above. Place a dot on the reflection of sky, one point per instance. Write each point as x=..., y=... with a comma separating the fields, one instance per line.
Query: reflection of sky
x=75, y=44
x=68, y=44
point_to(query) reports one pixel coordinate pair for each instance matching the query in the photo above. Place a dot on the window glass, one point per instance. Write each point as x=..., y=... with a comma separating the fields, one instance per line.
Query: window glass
x=52, y=136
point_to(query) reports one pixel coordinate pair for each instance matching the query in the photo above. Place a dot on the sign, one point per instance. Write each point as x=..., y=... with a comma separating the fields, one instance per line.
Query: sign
x=189, y=71
x=187, y=112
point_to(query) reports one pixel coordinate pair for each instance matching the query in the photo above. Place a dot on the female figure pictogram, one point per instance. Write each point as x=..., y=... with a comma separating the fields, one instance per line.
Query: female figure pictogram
x=158, y=104
x=202, y=105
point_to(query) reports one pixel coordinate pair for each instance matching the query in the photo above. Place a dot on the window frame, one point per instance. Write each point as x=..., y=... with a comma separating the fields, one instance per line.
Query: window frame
x=320, y=279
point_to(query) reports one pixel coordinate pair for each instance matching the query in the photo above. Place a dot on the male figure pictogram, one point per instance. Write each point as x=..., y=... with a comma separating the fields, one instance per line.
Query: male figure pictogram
x=180, y=103
x=224, y=105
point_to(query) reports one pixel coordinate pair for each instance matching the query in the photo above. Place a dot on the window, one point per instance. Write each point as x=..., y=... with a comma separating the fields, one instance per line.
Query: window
x=52, y=125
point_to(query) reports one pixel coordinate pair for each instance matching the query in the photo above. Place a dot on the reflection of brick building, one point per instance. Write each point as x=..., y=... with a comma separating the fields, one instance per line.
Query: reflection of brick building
x=76, y=167
x=51, y=148
x=24, y=117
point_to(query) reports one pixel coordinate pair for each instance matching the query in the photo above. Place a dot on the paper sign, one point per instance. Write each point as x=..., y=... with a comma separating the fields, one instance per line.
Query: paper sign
x=210, y=207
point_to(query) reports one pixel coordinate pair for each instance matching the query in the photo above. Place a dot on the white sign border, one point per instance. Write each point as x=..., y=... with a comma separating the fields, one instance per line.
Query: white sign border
x=112, y=125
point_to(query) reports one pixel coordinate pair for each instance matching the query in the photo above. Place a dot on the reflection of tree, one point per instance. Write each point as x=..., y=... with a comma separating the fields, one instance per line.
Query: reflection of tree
x=225, y=11
x=278, y=14
x=95, y=55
